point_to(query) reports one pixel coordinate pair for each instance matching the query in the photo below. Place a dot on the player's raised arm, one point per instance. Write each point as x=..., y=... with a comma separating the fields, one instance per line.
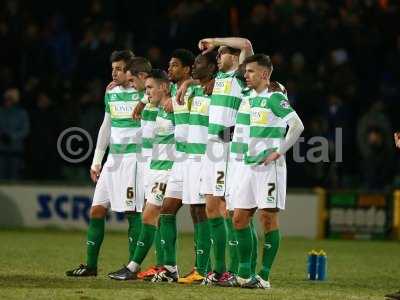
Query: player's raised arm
x=209, y=44
x=103, y=140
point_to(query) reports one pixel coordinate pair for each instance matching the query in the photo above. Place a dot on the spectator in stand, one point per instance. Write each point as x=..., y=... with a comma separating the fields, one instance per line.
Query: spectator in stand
x=374, y=137
x=14, y=128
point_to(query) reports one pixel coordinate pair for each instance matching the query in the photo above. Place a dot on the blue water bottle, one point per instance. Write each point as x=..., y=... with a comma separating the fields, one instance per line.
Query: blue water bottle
x=322, y=265
x=312, y=265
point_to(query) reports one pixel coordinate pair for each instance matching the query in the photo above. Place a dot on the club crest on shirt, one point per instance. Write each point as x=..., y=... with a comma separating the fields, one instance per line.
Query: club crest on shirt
x=285, y=104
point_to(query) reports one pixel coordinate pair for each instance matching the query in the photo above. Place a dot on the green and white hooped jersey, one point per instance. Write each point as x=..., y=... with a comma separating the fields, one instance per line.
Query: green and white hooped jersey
x=269, y=113
x=198, y=123
x=163, y=153
x=225, y=102
x=126, y=133
x=149, y=115
x=181, y=114
x=241, y=134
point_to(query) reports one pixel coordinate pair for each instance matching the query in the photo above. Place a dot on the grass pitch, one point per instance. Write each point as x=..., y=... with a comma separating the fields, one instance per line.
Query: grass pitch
x=33, y=263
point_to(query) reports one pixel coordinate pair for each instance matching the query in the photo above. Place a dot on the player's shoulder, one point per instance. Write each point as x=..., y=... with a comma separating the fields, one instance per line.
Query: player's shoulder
x=120, y=89
x=113, y=90
x=277, y=91
x=278, y=100
x=277, y=96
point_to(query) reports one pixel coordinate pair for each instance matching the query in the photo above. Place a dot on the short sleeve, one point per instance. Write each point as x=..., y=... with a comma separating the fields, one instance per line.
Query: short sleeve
x=280, y=105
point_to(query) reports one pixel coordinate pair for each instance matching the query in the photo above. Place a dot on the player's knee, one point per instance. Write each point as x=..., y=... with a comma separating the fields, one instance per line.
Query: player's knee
x=171, y=206
x=213, y=212
x=198, y=212
x=98, y=212
x=213, y=207
x=240, y=221
x=151, y=214
x=269, y=220
x=150, y=220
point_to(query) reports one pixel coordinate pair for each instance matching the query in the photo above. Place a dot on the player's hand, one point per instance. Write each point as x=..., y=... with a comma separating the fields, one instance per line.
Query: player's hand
x=111, y=85
x=272, y=157
x=397, y=139
x=209, y=87
x=95, y=171
x=180, y=93
x=168, y=107
x=207, y=45
x=137, y=112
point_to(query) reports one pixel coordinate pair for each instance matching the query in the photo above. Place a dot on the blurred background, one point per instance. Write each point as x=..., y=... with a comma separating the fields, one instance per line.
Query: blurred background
x=339, y=60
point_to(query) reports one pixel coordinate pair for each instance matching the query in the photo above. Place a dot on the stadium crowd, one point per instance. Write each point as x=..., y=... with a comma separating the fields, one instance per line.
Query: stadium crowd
x=339, y=60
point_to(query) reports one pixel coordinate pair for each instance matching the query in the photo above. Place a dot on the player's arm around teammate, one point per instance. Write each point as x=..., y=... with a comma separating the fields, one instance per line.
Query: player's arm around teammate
x=264, y=172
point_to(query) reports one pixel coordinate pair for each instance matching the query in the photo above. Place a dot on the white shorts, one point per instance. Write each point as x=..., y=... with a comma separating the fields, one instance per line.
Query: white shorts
x=120, y=185
x=157, y=185
x=175, y=181
x=214, y=169
x=233, y=180
x=261, y=186
x=144, y=164
x=191, y=182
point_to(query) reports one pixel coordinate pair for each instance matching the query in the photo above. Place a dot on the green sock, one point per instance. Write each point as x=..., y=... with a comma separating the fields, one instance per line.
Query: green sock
x=95, y=236
x=271, y=245
x=218, y=236
x=135, y=226
x=233, y=247
x=203, y=247
x=144, y=243
x=245, y=246
x=159, y=249
x=195, y=244
x=254, y=249
x=168, y=234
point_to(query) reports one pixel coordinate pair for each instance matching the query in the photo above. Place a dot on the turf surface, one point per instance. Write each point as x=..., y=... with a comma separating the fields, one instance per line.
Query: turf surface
x=32, y=266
